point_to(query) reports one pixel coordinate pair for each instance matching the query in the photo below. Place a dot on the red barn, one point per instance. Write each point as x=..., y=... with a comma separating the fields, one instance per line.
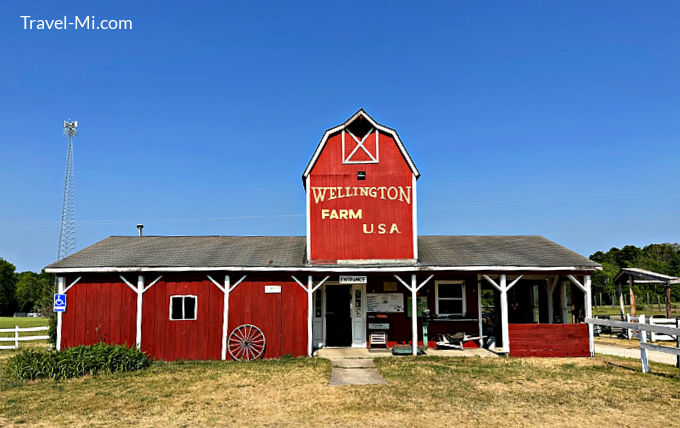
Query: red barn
x=361, y=273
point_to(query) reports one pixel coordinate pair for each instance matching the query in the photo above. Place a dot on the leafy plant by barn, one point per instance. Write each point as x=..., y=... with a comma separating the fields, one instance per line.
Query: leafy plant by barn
x=76, y=361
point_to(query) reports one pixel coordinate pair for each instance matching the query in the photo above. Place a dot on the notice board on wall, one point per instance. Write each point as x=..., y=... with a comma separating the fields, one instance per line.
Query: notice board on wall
x=384, y=302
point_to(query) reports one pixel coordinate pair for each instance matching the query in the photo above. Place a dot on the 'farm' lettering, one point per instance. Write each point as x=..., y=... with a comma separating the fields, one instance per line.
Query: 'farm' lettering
x=393, y=193
x=341, y=214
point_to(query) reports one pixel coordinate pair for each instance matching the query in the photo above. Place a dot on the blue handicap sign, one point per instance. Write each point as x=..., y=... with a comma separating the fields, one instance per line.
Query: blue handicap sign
x=60, y=303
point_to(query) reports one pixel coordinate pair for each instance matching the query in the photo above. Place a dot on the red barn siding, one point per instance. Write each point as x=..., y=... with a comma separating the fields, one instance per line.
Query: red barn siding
x=345, y=239
x=282, y=317
x=549, y=340
x=168, y=340
x=99, y=310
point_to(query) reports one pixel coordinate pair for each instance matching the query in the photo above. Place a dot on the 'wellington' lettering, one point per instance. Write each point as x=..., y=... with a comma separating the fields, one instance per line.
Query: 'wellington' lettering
x=392, y=193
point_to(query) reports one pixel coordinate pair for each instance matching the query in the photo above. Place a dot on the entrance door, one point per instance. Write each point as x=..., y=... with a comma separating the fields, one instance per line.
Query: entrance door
x=358, y=315
x=338, y=315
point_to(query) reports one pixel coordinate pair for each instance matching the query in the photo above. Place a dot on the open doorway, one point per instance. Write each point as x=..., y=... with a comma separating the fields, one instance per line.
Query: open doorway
x=338, y=315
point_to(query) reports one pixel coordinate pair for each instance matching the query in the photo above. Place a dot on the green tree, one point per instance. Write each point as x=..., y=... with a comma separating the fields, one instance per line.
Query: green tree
x=8, y=284
x=32, y=291
x=43, y=304
x=627, y=256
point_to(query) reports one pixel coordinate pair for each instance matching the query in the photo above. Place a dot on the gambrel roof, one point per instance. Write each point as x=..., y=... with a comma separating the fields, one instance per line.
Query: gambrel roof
x=376, y=125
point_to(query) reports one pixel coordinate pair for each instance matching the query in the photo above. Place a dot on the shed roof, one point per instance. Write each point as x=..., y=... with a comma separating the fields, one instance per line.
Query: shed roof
x=641, y=276
x=121, y=253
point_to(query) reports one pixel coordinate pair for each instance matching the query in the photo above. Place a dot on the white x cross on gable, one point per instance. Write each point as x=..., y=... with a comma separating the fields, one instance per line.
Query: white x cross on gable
x=360, y=145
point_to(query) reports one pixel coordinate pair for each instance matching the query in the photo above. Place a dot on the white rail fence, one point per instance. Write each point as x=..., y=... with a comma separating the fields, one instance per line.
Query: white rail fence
x=18, y=338
x=641, y=327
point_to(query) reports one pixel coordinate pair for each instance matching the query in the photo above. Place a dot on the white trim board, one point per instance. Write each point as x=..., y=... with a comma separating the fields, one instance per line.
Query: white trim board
x=300, y=269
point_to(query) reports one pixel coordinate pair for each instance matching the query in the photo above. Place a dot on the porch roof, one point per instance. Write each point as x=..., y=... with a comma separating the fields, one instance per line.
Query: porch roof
x=283, y=253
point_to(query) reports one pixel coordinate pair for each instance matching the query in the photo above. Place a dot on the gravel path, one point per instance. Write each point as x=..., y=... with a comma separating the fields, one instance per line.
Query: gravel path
x=654, y=356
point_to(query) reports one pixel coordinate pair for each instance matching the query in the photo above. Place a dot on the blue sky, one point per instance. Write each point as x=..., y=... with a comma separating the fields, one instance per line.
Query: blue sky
x=551, y=118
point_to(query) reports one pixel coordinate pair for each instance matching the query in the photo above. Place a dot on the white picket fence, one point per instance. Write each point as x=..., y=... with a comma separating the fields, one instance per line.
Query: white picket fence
x=18, y=338
x=638, y=325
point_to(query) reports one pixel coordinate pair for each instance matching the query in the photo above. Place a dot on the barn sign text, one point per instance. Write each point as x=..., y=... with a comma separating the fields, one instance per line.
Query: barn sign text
x=393, y=193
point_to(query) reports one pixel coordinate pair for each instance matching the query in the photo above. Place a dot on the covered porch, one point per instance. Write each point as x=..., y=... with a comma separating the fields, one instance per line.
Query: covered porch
x=520, y=314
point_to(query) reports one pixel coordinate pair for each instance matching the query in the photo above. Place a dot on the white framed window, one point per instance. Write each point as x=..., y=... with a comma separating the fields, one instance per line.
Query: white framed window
x=449, y=297
x=183, y=307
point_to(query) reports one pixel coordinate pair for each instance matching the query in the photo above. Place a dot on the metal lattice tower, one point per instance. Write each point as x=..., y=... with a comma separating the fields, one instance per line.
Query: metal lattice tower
x=67, y=231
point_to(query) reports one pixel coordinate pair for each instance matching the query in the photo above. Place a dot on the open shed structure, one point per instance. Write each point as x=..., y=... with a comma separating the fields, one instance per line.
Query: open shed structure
x=360, y=273
x=635, y=276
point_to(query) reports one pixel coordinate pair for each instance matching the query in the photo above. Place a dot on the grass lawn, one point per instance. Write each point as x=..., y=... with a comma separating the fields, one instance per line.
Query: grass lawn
x=440, y=391
x=641, y=308
x=11, y=322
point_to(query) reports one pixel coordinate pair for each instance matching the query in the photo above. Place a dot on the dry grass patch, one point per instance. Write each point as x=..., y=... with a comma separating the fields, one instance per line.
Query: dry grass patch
x=623, y=343
x=294, y=391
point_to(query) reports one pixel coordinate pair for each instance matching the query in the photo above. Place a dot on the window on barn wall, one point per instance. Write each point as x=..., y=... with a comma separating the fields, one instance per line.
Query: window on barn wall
x=360, y=142
x=183, y=307
x=450, y=297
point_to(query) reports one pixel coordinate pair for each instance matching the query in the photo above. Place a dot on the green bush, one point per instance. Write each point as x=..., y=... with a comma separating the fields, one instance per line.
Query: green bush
x=76, y=361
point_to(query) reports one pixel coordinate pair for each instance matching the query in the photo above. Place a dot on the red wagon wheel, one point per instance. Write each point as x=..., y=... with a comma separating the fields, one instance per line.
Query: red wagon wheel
x=246, y=342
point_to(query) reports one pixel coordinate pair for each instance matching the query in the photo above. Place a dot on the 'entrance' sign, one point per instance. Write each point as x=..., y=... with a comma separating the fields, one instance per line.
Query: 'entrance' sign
x=272, y=289
x=352, y=279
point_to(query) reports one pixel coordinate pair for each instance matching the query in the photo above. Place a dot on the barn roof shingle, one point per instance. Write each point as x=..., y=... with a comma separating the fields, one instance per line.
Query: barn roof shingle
x=289, y=252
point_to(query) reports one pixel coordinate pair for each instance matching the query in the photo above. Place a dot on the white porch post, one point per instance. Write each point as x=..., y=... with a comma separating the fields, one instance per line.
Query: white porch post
x=550, y=288
x=414, y=316
x=589, y=313
x=140, y=298
x=60, y=290
x=563, y=302
x=226, y=291
x=310, y=288
x=479, y=311
x=505, y=332
x=310, y=314
x=225, y=317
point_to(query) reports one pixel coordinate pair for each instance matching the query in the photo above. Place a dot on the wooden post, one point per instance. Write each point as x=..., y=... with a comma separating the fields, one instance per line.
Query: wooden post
x=588, y=312
x=565, y=313
x=60, y=290
x=310, y=315
x=16, y=337
x=621, y=302
x=414, y=316
x=643, y=350
x=505, y=329
x=225, y=316
x=632, y=295
x=479, y=311
x=668, y=299
x=677, y=345
x=550, y=287
x=140, y=298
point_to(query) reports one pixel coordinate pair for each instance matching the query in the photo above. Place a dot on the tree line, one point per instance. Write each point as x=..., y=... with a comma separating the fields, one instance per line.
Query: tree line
x=25, y=291
x=661, y=258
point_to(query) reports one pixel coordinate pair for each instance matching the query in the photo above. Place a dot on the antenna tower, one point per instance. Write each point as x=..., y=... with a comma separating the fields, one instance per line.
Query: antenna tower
x=67, y=231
